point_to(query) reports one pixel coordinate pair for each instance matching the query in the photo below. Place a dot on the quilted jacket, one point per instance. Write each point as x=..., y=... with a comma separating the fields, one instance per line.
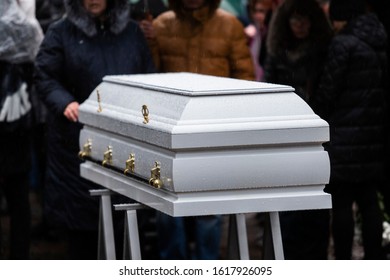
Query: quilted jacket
x=351, y=97
x=206, y=41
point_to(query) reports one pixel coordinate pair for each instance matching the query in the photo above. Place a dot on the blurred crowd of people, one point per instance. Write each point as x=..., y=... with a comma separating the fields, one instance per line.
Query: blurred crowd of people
x=53, y=53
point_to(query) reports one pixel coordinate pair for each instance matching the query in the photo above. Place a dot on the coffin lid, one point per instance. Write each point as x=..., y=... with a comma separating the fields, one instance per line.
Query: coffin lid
x=189, y=110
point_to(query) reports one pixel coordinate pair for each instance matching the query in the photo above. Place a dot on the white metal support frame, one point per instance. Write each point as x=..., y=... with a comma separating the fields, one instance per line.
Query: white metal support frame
x=276, y=235
x=235, y=202
x=237, y=238
x=106, y=241
x=131, y=245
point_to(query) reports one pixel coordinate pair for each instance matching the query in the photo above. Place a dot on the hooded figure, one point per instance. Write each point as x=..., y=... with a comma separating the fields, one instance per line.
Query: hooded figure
x=297, y=43
x=351, y=98
x=296, y=59
x=77, y=52
x=207, y=41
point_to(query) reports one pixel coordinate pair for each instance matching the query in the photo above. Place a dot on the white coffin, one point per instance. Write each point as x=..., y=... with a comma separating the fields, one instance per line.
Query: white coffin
x=208, y=134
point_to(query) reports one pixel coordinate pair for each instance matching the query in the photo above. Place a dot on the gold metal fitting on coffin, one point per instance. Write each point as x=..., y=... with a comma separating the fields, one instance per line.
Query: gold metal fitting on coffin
x=130, y=164
x=155, y=180
x=145, y=113
x=107, y=158
x=99, y=103
x=87, y=149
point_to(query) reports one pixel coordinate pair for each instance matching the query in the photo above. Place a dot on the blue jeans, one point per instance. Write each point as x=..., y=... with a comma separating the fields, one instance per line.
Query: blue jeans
x=176, y=234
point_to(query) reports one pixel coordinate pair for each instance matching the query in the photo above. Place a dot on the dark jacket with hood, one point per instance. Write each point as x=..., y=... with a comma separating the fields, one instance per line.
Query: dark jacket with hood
x=297, y=62
x=351, y=98
x=76, y=53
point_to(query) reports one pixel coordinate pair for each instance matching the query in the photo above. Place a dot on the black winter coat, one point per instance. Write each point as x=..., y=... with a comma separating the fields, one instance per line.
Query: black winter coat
x=351, y=98
x=71, y=62
x=15, y=136
x=299, y=68
x=297, y=62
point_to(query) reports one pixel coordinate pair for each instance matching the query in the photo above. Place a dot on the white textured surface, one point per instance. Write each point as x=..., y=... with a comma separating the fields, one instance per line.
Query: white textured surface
x=210, y=202
x=208, y=133
x=195, y=84
x=201, y=169
x=250, y=114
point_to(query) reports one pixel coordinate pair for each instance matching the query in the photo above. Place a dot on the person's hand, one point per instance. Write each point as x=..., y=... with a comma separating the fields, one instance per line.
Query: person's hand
x=72, y=111
x=147, y=28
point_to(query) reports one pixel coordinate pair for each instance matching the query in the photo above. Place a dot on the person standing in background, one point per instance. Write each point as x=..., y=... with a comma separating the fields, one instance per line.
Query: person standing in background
x=20, y=37
x=260, y=13
x=382, y=9
x=47, y=11
x=218, y=45
x=351, y=98
x=196, y=36
x=297, y=44
x=96, y=38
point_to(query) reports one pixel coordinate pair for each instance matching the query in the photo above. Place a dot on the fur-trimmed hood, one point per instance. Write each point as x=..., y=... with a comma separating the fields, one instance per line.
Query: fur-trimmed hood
x=117, y=16
x=280, y=37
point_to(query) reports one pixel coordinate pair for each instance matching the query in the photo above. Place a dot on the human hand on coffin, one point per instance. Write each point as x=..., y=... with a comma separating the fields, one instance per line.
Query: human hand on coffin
x=72, y=111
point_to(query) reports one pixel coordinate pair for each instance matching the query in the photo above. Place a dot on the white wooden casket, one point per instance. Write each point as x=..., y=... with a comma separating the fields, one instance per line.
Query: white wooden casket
x=189, y=144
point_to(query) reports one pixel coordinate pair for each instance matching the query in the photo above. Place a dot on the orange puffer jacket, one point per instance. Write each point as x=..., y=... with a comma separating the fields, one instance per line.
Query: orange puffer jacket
x=207, y=41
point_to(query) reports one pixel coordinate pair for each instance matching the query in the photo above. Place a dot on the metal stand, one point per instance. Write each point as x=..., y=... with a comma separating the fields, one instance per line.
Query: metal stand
x=131, y=246
x=273, y=237
x=237, y=235
x=237, y=238
x=276, y=235
x=106, y=241
x=229, y=202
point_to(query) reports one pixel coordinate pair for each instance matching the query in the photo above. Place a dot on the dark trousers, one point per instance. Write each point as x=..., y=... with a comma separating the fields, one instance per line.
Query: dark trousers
x=16, y=191
x=343, y=220
x=176, y=234
x=305, y=234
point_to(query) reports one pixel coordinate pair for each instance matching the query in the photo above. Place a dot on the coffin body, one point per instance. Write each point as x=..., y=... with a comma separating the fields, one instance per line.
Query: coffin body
x=206, y=133
x=203, y=135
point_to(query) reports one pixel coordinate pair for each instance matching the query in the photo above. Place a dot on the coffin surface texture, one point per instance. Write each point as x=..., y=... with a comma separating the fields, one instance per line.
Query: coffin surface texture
x=207, y=134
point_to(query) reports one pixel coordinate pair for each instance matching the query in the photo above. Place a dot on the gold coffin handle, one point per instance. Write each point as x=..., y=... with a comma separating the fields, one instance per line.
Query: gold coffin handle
x=107, y=157
x=100, y=109
x=155, y=180
x=87, y=149
x=130, y=165
x=145, y=113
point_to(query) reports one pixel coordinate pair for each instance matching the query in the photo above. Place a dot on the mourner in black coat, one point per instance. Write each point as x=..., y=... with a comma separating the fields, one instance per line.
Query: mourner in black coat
x=20, y=37
x=297, y=59
x=77, y=52
x=351, y=97
x=297, y=45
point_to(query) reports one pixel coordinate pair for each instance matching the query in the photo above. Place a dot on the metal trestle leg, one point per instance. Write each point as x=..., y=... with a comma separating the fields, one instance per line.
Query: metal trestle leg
x=238, y=238
x=106, y=242
x=131, y=246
